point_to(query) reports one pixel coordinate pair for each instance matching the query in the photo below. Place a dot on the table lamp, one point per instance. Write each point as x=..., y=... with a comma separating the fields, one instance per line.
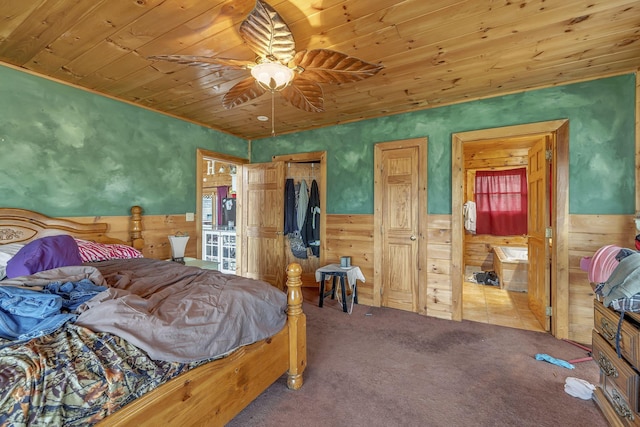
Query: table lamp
x=178, y=245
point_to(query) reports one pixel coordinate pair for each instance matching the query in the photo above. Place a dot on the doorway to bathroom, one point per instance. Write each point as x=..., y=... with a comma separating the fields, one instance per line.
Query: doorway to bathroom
x=543, y=148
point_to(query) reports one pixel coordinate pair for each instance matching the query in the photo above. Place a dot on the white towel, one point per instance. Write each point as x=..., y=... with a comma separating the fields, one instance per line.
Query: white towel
x=469, y=212
x=578, y=388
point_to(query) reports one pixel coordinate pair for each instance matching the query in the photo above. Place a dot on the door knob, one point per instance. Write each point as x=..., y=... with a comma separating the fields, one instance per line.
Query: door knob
x=413, y=237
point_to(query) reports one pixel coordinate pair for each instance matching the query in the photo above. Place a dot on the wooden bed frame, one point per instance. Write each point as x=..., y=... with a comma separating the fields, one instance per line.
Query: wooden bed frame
x=211, y=394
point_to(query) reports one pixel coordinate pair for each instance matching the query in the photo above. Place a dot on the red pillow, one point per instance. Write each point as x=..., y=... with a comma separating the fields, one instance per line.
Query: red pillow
x=92, y=251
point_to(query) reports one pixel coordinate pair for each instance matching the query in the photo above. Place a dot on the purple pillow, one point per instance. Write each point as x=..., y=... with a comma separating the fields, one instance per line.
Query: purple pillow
x=44, y=254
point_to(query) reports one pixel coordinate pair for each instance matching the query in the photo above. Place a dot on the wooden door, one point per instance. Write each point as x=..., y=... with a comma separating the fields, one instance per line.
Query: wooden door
x=262, y=216
x=539, y=221
x=398, y=199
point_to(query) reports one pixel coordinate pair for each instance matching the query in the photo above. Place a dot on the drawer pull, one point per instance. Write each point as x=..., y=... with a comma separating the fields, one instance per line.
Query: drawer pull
x=620, y=406
x=607, y=367
x=608, y=330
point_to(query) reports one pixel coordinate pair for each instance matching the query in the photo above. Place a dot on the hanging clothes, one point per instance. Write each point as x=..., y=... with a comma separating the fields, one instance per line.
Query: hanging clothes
x=469, y=213
x=302, y=204
x=229, y=212
x=290, y=219
x=298, y=249
x=311, y=231
x=222, y=192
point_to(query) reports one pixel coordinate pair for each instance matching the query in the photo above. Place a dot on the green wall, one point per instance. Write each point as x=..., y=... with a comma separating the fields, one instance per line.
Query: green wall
x=601, y=117
x=68, y=152
x=74, y=153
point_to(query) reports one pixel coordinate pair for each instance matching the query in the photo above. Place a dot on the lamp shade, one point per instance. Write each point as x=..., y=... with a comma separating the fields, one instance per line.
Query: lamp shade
x=178, y=246
x=272, y=75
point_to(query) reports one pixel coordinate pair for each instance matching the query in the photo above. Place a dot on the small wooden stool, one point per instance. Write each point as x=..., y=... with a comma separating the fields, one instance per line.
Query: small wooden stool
x=335, y=271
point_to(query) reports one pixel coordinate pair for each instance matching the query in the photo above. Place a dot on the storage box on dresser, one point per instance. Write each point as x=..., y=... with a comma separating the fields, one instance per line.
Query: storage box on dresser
x=617, y=391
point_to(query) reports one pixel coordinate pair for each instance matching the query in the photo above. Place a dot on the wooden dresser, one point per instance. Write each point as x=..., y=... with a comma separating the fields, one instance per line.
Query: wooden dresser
x=617, y=391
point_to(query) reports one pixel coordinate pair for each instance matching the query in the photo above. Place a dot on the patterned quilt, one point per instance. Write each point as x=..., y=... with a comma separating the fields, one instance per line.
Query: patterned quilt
x=75, y=377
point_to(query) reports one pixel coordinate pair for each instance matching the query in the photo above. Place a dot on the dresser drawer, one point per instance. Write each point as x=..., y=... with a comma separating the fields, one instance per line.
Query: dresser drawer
x=618, y=380
x=606, y=323
x=611, y=413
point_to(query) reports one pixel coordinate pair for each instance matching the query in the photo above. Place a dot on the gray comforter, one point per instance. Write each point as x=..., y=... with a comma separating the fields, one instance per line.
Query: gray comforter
x=174, y=312
x=183, y=314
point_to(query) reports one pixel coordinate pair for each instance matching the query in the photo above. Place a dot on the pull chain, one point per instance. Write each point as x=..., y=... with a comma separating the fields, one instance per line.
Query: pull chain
x=273, y=114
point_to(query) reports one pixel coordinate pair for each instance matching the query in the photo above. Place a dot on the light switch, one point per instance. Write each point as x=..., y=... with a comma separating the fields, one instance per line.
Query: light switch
x=190, y=216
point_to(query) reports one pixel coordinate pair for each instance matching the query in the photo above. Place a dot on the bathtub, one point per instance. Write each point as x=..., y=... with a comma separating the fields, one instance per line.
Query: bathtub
x=511, y=264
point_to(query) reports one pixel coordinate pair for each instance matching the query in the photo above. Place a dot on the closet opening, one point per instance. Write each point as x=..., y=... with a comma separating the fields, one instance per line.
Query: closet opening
x=305, y=172
x=302, y=210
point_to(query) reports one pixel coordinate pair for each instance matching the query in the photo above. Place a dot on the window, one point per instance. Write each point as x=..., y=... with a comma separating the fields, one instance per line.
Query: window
x=501, y=202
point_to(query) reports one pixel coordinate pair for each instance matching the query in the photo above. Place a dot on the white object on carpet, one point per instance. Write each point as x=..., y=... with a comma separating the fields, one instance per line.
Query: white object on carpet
x=579, y=388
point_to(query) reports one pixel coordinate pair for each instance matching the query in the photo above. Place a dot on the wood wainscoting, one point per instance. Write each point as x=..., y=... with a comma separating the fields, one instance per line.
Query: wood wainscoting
x=155, y=231
x=588, y=233
x=439, y=291
x=352, y=235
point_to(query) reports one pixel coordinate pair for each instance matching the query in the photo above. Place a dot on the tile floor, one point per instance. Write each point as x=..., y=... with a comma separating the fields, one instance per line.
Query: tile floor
x=490, y=304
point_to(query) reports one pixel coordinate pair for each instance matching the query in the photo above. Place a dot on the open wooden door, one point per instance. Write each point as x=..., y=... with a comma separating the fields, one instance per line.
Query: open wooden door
x=262, y=213
x=539, y=221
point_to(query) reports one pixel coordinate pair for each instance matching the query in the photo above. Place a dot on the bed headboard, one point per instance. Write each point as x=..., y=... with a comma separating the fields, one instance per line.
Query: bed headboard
x=22, y=226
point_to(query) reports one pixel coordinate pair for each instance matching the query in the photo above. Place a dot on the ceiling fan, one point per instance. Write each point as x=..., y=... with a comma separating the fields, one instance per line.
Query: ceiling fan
x=278, y=67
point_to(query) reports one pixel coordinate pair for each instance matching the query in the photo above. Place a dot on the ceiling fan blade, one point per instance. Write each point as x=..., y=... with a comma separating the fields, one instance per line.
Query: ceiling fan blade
x=267, y=34
x=204, y=61
x=244, y=91
x=305, y=95
x=329, y=66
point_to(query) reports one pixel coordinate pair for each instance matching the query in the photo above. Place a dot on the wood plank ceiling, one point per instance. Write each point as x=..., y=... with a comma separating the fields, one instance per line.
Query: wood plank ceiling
x=435, y=52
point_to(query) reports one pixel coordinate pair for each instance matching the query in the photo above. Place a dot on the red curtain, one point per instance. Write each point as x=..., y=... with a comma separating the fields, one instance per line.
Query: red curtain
x=501, y=202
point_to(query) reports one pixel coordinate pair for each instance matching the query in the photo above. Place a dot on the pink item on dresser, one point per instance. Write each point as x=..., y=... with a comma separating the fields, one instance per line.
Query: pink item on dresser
x=603, y=263
x=585, y=263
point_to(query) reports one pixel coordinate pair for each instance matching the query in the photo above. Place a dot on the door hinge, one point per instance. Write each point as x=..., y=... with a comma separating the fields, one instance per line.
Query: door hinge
x=548, y=154
x=548, y=311
x=548, y=232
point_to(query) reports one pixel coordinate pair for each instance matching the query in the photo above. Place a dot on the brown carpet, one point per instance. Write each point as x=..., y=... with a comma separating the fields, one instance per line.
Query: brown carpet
x=385, y=367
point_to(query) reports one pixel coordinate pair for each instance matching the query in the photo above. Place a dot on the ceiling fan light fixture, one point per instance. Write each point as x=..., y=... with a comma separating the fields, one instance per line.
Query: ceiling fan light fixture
x=272, y=76
x=278, y=67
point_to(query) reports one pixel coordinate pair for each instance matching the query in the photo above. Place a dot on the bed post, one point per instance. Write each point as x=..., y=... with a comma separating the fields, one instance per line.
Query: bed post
x=136, y=228
x=297, y=323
